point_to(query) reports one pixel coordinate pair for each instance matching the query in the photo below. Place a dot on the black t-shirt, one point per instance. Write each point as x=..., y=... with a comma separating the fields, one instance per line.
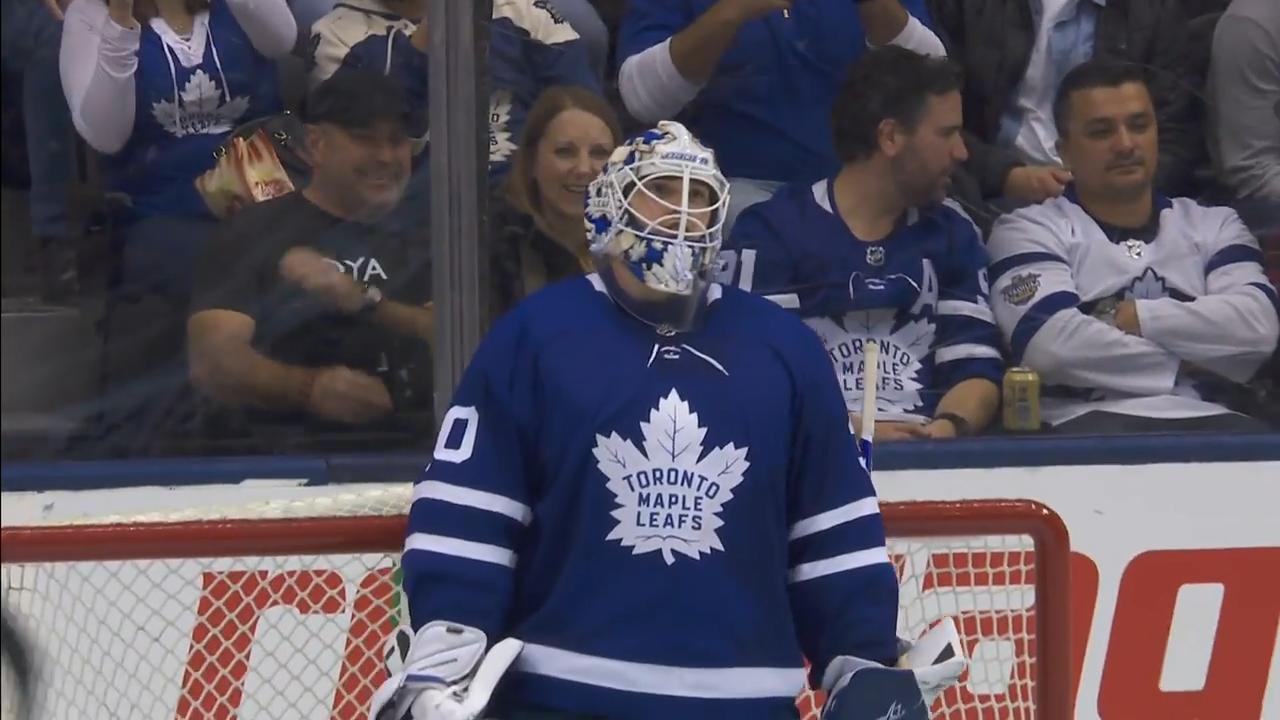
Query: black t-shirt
x=240, y=272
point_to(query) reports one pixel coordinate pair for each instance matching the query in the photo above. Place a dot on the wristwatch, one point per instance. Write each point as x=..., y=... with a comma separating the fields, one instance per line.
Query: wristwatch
x=372, y=297
x=962, y=426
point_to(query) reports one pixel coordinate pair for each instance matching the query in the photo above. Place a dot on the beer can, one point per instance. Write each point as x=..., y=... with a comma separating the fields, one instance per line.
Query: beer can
x=1021, y=400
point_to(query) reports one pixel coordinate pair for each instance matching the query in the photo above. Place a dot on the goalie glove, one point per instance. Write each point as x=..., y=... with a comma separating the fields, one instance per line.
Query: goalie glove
x=447, y=675
x=860, y=689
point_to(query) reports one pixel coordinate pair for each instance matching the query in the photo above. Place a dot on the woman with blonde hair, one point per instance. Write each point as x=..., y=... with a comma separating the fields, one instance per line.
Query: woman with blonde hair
x=537, y=217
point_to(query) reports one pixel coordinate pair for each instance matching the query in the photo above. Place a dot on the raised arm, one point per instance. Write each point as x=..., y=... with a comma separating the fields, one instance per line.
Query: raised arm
x=668, y=58
x=97, y=61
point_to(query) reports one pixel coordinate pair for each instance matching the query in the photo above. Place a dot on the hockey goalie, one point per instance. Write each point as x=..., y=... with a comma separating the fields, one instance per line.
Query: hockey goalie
x=649, y=480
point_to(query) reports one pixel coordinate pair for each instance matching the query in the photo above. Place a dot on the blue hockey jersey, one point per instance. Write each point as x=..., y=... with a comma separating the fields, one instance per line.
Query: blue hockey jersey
x=531, y=47
x=185, y=111
x=921, y=293
x=766, y=111
x=667, y=522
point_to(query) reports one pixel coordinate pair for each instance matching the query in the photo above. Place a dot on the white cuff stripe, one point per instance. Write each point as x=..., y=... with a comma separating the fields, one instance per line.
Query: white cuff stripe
x=460, y=548
x=790, y=301
x=732, y=683
x=977, y=311
x=965, y=351
x=839, y=563
x=831, y=518
x=467, y=497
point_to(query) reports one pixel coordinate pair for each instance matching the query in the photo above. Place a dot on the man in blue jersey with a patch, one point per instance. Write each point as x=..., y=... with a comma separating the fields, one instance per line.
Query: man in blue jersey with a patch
x=875, y=253
x=647, y=485
x=755, y=78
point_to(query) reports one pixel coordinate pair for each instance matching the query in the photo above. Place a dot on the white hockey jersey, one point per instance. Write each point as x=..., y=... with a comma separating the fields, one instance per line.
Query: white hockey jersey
x=1206, y=309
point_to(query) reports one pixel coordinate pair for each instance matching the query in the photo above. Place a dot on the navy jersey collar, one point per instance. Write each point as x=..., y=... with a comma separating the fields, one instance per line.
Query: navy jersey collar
x=1116, y=234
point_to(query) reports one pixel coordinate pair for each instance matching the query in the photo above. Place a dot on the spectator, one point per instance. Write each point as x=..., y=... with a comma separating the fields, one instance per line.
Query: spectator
x=537, y=220
x=1245, y=89
x=531, y=47
x=156, y=86
x=755, y=79
x=1129, y=304
x=309, y=312
x=1015, y=53
x=30, y=44
x=875, y=254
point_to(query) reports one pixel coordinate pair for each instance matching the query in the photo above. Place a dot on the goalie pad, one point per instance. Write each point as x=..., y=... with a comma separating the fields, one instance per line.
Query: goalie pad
x=860, y=689
x=447, y=675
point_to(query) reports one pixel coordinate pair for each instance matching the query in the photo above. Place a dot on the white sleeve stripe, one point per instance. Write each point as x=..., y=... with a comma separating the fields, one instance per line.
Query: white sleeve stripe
x=965, y=351
x=831, y=518
x=720, y=683
x=839, y=563
x=460, y=548
x=978, y=311
x=790, y=301
x=747, y=274
x=467, y=497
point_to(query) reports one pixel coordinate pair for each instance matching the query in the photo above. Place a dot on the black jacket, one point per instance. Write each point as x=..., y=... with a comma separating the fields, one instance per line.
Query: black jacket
x=992, y=41
x=522, y=258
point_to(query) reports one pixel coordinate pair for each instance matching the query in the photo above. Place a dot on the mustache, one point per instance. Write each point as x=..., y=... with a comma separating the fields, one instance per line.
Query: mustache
x=1135, y=161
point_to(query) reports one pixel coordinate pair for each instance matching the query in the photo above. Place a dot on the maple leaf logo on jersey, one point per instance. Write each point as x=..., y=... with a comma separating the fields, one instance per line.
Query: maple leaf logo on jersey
x=901, y=352
x=1150, y=286
x=199, y=108
x=670, y=494
x=501, y=146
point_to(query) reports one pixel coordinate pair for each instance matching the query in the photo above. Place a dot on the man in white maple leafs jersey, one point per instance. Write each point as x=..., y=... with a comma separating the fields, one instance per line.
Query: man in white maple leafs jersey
x=874, y=254
x=1134, y=308
x=649, y=480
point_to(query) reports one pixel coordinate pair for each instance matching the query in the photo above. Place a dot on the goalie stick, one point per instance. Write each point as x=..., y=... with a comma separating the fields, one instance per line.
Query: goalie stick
x=870, y=378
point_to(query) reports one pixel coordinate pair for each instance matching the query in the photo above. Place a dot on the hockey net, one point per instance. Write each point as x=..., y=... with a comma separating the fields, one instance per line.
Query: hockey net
x=284, y=610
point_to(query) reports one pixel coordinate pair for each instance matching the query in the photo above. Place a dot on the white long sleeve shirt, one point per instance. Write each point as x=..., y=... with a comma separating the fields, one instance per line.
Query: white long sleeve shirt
x=99, y=60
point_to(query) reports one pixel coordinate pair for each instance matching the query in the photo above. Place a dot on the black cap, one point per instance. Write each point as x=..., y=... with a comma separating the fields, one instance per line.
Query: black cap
x=355, y=99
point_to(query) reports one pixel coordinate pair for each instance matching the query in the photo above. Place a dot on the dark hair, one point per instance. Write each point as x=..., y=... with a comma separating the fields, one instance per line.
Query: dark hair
x=888, y=83
x=354, y=99
x=1090, y=74
x=521, y=189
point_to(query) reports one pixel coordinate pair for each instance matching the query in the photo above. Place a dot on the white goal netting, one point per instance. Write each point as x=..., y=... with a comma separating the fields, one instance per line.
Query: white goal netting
x=221, y=616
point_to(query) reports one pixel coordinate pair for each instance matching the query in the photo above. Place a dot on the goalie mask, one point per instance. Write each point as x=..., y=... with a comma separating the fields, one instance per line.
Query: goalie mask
x=653, y=221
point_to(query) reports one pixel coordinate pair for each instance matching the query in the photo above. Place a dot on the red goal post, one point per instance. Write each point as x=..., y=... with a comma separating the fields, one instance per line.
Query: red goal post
x=287, y=617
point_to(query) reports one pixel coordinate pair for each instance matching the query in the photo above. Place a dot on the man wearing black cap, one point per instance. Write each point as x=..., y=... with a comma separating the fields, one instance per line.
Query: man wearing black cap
x=311, y=311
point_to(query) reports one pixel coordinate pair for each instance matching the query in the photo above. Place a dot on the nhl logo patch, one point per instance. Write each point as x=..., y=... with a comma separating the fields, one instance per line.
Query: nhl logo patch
x=875, y=256
x=1021, y=288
